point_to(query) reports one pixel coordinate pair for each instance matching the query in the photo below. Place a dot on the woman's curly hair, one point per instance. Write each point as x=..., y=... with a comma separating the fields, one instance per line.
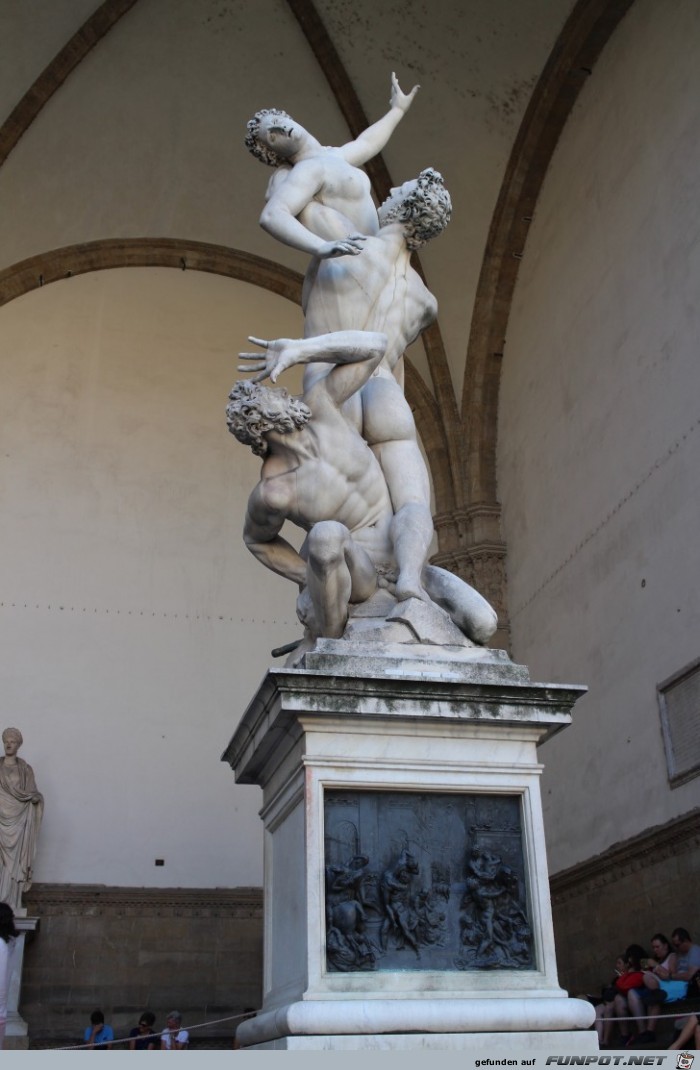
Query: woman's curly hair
x=253, y=142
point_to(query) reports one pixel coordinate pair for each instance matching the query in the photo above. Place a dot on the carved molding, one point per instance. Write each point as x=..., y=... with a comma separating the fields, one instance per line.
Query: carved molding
x=680, y=836
x=101, y=899
x=471, y=526
x=471, y=547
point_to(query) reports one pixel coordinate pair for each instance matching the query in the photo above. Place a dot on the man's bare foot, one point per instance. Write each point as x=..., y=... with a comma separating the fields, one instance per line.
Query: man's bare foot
x=410, y=587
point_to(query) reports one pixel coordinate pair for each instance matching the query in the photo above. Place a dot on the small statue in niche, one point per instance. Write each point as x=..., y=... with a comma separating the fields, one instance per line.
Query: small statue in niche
x=347, y=947
x=400, y=916
x=495, y=932
x=21, y=810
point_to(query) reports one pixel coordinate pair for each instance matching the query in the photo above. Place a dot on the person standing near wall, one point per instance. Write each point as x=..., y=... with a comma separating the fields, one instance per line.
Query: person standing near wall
x=8, y=935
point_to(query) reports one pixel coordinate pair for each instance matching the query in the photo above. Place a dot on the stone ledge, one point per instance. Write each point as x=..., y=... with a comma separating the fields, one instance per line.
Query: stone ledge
x=308, y=1018
x=514, y=1043
x=622, y=859
x=97, y=899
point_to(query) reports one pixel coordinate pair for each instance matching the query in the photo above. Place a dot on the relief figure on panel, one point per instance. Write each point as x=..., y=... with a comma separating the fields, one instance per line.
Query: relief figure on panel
x=494, y=929
x=347, y=946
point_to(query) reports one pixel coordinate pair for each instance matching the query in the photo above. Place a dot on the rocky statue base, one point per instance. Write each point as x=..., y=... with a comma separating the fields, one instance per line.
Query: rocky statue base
x=406, y=888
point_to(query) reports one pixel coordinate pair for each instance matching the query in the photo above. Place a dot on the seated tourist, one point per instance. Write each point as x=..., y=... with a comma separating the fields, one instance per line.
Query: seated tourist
x=97, y=1034
x=682, y=966
x=605, y=1010
x=142, y=1038
x=662, y=955
x=631, y=980
x=657, y=968
x=174, y=1037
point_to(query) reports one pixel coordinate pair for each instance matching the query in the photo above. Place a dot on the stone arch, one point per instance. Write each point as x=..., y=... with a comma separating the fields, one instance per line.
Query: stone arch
x=570, y=64
x=55, y=73
x=476, y=540
x=56, y=265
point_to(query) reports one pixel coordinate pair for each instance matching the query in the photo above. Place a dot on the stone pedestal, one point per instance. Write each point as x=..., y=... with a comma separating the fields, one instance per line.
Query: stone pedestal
x=406, y=890
x=16, y=1036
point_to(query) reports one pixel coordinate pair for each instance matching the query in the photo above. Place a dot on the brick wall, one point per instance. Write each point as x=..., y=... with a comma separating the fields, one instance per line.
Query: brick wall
x=648, y=884
x=126, y=950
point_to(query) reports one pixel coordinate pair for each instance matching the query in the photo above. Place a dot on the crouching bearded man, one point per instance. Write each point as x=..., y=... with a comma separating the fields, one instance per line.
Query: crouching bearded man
x=320, y=474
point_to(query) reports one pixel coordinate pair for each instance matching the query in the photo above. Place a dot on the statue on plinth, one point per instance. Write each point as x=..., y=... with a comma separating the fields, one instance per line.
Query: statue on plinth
x=343, y=461
x=21, y=811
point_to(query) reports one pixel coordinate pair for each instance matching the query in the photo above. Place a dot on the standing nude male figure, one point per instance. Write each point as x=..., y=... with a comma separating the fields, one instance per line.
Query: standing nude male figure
x=380, y=291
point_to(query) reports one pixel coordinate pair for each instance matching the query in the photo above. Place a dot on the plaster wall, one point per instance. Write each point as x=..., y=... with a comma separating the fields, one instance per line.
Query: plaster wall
x=51, y=26
x=145, y=136
x=135, y=625
x=599, y=437
x=476, y=77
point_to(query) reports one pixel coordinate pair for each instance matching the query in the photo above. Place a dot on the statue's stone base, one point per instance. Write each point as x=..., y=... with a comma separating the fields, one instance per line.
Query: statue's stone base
x=16, y=1041
x=518, y=1043
x=16, y=1031
x=406, y=889
x=432, y=1023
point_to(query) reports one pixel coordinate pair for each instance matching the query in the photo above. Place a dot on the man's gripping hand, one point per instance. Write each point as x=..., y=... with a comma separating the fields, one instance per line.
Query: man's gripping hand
x=350, y=246
x=280, y=354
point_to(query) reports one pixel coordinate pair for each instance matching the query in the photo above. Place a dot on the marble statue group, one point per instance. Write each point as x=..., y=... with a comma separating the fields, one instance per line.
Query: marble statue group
x=342, y=461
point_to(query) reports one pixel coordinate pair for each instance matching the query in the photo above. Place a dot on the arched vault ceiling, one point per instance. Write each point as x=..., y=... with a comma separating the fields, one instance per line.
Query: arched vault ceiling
x=134, y=128
x=52, y=77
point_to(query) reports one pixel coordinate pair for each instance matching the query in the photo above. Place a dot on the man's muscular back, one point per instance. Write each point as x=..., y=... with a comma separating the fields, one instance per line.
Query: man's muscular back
x=375, y=291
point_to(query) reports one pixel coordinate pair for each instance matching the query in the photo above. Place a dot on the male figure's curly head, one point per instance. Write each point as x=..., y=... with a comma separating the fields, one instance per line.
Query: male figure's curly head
x=425, y=210
x=254, y=410
x=254, y=142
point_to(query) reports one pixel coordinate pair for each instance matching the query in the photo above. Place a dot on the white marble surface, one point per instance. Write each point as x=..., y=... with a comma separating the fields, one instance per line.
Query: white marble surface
x=16, y=1033
x=496, y=1044
x=312, y=730
x=476, y=1018
x=342, y=461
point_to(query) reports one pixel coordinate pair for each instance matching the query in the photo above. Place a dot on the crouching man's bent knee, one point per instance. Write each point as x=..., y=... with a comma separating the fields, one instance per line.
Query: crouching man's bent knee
x=325, y=545
x=338, y=572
